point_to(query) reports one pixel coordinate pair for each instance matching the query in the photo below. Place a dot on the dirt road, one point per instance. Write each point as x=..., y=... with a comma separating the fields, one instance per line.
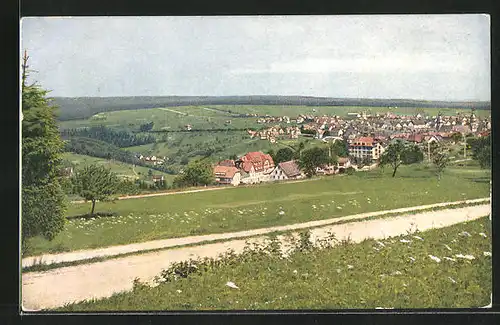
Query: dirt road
x=195, y=191
x=57, y=287
x=166, y=243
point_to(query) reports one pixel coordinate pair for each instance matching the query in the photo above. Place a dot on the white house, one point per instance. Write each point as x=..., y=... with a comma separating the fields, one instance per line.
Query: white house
x=286, y=170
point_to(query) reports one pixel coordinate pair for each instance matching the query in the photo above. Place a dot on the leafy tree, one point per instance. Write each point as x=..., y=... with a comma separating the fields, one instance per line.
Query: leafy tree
x=146, y=127
x=413, y=155
x=312, y=158
x=398, y=153
x=457, y=137
x=283, y=154
x=43, y=203
x=196, y=173
x=440, y=160
x=96, y=183
x=481, y=150
x=340, y=148
x=272, y=153
x=150, y=173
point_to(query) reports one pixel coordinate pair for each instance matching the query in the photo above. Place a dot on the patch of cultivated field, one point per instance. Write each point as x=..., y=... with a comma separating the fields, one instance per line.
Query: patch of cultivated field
x=173, y=118
x=292, y=111
x=440, y=268
x=260, y=206
x=121, y=169
x=209, y=117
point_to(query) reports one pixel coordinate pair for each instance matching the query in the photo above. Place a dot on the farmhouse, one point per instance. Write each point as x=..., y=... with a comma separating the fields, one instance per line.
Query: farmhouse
x=227, y=175
x=158, y=179
x=256, y=167
x=286, y=170
x=343, y=164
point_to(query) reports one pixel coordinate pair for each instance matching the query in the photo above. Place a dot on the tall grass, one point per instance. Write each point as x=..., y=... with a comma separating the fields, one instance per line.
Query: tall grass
x=441, y=268
x=260, y=206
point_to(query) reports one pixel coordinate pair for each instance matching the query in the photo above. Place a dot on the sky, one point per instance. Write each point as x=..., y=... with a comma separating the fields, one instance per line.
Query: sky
x=428, y=57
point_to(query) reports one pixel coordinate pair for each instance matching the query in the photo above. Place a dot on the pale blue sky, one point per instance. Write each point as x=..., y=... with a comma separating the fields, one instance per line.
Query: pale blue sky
x=434, y=57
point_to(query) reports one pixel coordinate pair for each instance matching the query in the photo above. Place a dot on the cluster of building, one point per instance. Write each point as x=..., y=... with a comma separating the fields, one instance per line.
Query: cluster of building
x=275, y=132
x=152, y=159
x=257, y=167
x=384, y=127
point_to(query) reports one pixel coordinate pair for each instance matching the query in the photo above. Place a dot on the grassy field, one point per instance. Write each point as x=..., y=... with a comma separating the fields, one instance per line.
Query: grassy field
x=259, y=206
x=291, y=111
x=205, y=117
x=121, y=169
x=171, y=118
x=369, y=275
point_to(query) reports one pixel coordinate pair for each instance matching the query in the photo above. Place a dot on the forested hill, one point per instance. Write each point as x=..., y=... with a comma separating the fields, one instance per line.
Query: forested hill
x=84, y=107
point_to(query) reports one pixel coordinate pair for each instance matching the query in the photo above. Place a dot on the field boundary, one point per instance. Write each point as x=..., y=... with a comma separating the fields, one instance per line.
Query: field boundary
x=108, y=252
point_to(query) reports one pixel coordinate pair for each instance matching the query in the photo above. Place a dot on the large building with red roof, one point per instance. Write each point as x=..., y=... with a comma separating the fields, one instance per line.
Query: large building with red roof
x=365, y=148
x=253, y=167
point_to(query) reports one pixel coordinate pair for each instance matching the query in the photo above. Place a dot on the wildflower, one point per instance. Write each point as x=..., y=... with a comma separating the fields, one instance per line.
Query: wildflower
x=487, y=253
x=294, y=271
x=381, y=244
x=232, y=285
x=405, y=241
x=281, y=213
x=451, y=279
x=417, y=237
x=338, y=270
x=483, y=234
x=314, y=206
x=179, y=291
x=469, y=257
x=412, y=259
x=447, y=247
x=449, y=259
x=396, y=273
x=464, y=233
x=350, y=267
x=377, y=249
x=240, y=212
x=434, y=258
x=339, y=208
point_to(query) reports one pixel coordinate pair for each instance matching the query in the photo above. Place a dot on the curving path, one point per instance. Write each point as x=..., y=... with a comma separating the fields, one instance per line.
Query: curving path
x=182, y=241
x=50, y=289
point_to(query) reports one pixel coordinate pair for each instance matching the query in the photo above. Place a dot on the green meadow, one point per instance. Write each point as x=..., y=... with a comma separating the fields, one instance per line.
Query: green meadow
x=259, y=206
x=441, y=268
x=121, y=169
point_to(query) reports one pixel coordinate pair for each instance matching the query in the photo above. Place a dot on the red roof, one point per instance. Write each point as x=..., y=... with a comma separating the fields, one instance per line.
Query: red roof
x=290, y=168
x=368, y=141
x=365, y=139
x=256, y=159
x=225, y=171
x=415, y=138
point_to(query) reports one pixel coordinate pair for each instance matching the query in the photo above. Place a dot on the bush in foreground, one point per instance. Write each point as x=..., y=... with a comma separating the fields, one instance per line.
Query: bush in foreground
x=441, y=268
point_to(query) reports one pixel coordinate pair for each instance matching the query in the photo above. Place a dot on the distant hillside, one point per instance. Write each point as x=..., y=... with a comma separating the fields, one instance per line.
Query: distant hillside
x=83, y=107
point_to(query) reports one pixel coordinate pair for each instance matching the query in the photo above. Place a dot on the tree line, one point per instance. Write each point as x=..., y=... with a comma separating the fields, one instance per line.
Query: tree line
x=101, y=149
x=120, y=139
